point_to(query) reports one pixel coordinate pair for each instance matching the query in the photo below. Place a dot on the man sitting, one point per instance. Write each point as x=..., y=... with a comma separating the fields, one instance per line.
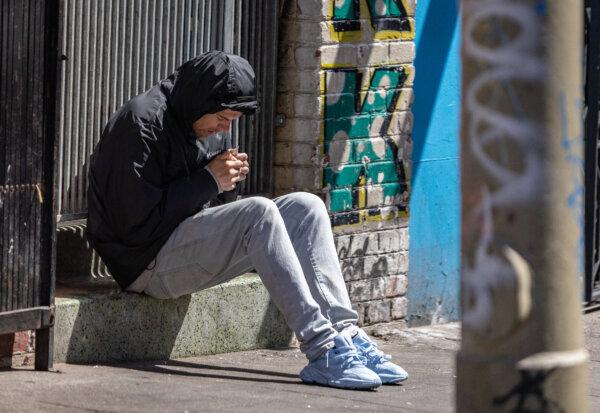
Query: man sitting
x=162, y=181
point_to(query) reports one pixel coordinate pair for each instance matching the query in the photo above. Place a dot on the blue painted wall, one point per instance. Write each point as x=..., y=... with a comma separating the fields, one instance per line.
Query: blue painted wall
x=435, y=197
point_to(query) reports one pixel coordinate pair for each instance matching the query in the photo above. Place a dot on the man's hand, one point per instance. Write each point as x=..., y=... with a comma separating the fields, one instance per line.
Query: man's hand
x=246, y=167
x=228, y=170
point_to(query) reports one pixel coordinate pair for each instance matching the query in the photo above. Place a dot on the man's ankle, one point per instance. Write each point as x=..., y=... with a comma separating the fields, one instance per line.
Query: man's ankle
x=350, y=330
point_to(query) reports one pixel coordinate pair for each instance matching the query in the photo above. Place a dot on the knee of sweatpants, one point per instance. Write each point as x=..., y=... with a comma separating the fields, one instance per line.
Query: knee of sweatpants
x=262, y=207
x=311, y=204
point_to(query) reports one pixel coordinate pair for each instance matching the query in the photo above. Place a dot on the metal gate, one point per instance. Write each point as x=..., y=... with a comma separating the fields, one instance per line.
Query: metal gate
x=28, y=63
x=115, y=49
x=592, y=148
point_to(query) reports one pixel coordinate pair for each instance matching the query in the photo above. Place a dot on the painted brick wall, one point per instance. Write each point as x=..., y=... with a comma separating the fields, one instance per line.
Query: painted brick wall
x=345, y=89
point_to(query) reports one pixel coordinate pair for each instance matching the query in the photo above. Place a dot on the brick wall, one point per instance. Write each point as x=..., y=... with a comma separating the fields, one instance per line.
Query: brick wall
x=345, y=89
x=17, y=348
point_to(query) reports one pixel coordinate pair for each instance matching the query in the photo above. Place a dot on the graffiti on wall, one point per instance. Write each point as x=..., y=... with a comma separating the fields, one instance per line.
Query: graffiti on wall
x=388, y=19
x=354, y=260
x=364, y=141
x=364, y=166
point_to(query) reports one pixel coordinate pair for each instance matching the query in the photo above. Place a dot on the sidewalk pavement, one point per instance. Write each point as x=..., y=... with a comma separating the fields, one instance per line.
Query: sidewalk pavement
x=256, y=381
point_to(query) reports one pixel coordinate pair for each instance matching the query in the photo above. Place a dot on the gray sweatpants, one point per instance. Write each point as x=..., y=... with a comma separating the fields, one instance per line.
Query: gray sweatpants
x=288, y=240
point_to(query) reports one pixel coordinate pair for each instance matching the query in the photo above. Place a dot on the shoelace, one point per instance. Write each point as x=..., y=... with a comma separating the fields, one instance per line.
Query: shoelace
x=350, y=358
x=373, y=353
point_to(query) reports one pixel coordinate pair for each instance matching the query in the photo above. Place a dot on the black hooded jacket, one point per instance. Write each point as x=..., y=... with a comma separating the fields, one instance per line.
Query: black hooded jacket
x=147, y=172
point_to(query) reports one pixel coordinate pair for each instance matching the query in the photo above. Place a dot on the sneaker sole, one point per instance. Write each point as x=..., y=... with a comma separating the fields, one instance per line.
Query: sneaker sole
x=392, y=379
x=309, y=377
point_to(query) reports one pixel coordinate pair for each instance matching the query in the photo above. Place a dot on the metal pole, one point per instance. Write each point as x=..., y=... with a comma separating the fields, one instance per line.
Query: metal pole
x=522, y=188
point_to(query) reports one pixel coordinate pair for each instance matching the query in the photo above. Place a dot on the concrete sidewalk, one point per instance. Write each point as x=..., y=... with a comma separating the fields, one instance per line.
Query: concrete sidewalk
x=257, y=381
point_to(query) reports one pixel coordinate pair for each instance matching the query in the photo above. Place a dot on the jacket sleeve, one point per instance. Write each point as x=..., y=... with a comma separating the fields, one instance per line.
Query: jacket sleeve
x=144, y=208
x=226, y=197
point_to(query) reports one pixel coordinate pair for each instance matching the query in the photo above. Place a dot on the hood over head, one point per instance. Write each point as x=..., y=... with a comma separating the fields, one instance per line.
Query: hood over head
x=212, y=82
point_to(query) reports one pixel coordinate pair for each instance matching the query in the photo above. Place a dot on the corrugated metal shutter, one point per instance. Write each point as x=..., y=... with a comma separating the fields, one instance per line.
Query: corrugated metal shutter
x=115, y=49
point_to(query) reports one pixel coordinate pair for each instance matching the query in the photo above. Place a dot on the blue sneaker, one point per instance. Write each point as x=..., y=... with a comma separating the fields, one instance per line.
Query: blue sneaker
x=376, y=360
x=340, y=367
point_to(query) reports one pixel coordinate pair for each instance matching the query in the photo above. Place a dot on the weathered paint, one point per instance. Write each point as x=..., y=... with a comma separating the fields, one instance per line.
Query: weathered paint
x=496, y=289
x=359, y=152
x=389, y=19
x=521, y=162
x=433, y=291
x=365, y=135
x=574, y=150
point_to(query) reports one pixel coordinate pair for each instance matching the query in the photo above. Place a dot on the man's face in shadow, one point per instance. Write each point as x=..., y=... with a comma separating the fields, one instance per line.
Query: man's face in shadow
x=212, y=123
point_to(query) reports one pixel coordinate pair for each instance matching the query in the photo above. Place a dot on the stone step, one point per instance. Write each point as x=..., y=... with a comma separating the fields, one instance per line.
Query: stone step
x=103, y=324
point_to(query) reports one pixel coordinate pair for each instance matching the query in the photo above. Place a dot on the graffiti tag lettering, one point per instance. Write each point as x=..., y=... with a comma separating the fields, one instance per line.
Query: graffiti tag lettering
x=389, y=19
x=362, y=167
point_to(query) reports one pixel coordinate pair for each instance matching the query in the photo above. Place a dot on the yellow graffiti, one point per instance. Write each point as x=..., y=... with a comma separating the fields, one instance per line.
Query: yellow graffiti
x=366, y=32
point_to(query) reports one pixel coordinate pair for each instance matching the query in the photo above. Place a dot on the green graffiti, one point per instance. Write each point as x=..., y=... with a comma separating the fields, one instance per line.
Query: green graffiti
x=385, y=15
x=341, y=200
x=359, y=153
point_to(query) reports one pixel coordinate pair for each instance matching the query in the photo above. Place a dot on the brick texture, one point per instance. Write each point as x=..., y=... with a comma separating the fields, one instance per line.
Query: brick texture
x=345, y=90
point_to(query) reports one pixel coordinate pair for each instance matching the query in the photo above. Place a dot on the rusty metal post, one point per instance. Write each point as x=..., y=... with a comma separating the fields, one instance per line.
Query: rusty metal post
x=522, y=188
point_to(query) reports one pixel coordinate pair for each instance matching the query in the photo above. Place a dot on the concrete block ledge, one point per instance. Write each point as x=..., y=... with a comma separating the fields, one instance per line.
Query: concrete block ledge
x=114, y=326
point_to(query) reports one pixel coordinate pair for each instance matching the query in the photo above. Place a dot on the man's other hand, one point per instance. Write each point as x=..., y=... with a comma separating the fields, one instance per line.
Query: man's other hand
x=246, y=167
x=227, y=169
